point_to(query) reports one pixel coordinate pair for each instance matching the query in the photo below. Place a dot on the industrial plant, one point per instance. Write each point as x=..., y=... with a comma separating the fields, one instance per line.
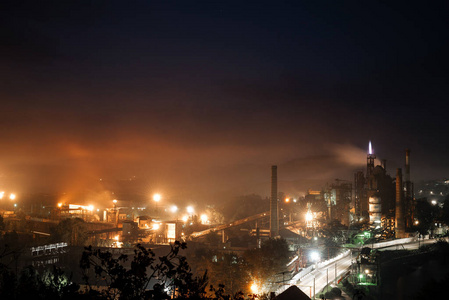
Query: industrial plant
x=374, y=209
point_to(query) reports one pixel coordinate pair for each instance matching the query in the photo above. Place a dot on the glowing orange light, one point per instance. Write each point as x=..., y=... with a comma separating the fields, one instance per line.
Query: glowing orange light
x=157, y=197
x=254, y=288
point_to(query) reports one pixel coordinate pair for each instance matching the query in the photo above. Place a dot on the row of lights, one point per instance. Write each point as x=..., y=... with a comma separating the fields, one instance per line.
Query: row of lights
x=190, y=210
x=12, y=196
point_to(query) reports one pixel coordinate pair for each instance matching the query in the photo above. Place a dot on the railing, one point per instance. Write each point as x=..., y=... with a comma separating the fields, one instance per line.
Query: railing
x=48, y=249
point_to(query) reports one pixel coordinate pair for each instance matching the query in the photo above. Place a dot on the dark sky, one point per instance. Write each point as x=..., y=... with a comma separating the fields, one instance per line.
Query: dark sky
x=197, y=99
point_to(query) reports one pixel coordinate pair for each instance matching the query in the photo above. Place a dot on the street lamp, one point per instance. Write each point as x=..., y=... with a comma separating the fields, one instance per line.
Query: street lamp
x=190, y=210
x=315, y=256
x=157, y=197
x=173, y=208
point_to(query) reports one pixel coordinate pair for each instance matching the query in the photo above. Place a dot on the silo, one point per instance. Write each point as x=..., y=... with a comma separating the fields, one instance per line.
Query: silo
x=375, y=210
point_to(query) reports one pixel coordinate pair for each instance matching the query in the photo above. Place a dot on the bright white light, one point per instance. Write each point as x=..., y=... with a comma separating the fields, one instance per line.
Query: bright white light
x=294, y=200
x=203, y=219
x=12, y=196
x=309, y=217
x=190, y=209
x=157, y=197
x=314, y=256
x=114, y=201
x=2, y=194
x=156, y=226
x=370, y=148
x=173, y=208
x=90, y=208
x=185, y=218
x=434, y=202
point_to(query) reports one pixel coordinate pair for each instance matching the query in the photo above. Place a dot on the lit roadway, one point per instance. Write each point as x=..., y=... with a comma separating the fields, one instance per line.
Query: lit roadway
x=326, y=272
x=322, y=275
x=411, y=245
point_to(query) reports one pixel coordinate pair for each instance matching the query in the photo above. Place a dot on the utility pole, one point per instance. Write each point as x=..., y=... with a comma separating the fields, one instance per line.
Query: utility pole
x=313, y=288
x=335, y=272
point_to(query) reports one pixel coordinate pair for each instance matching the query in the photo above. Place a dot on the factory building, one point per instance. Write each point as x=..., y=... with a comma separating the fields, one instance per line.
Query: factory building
x=381, y=200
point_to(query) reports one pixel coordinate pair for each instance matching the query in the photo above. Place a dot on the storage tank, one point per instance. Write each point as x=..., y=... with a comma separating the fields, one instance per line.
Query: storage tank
x=375, y=210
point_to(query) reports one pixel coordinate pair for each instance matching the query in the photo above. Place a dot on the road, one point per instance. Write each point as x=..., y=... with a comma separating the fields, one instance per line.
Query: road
x=410, y=246
x=323, y=273
x=326, y=272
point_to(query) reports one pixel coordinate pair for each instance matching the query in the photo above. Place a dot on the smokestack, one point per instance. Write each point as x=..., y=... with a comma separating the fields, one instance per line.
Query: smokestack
x=274, y=220
x=399, y=215
x=370, y=166
x=384, y=164
x=407, y=165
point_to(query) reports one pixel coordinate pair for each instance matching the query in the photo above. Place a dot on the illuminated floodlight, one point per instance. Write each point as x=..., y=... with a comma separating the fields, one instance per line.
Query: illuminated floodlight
x=173, y=208
x=2, y=194
x=190, y=209
x=287, y=200
x=434, y=202
x=315, y=256
x=361, y=276
x=309, y=217
x=114, y=201
x=90, y=208
x=156, y=226
x=12, y=196
x=254, y=288
x=60, y=204
x=203, y=218
x=185, y=219
x=157, y=197
x=294, y=200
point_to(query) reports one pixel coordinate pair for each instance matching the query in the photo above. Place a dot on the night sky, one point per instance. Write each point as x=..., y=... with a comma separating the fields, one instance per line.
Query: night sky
x=197, y=99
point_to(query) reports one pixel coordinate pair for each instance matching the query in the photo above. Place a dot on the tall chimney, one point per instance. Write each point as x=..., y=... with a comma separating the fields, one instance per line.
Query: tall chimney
x=274, y=219
x=407, y=165
x=399, y=215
